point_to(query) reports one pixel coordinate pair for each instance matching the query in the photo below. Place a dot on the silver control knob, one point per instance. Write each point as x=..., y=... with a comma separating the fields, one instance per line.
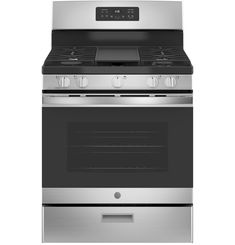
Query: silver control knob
x=83, y=82
x=152, y=82
x=117, y=82
x=64, y=82
x=170, y=82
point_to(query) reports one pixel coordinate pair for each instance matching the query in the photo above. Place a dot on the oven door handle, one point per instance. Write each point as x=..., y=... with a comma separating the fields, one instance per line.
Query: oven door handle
x=116, y=101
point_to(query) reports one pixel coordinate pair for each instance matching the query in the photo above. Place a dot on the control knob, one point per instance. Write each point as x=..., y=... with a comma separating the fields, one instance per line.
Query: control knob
x=170, y=82
x=64, y=82
x=117, y=82
x=83, y=82
x=152, y=82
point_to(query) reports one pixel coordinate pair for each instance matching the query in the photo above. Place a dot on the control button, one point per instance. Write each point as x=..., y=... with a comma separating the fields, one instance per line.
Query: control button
x=170, y=82
x=83, y=82
x=64, y=82
x=117, y=195
x=117, y=82
x=152, y=82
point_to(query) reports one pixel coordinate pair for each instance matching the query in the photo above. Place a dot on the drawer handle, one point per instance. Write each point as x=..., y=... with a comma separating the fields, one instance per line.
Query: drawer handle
x=117, y=218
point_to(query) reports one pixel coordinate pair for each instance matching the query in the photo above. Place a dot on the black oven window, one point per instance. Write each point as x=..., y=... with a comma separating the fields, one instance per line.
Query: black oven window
x=112, y=147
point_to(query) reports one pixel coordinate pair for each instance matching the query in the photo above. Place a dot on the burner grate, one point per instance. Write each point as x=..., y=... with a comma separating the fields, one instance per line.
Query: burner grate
x=72, y=55
x=149, y=56
x=163, y=55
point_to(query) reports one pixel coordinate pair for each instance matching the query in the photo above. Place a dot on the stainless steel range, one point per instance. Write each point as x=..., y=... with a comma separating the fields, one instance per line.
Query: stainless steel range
x=117, y=124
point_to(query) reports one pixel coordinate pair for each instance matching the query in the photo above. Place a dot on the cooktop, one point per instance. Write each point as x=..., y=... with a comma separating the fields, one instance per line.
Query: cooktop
x=90, y=60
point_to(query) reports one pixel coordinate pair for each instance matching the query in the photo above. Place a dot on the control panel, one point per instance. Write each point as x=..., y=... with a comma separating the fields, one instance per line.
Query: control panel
x=117, y=13
x=118, y=81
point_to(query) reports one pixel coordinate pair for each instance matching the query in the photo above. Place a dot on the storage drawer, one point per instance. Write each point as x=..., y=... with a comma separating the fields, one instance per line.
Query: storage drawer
x=117, y=224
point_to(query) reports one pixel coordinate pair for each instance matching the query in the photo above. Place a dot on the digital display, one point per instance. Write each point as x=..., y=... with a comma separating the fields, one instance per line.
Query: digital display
x=117, y=13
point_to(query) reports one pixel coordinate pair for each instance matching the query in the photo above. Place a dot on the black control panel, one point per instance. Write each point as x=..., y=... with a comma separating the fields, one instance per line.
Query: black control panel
x=117, y=13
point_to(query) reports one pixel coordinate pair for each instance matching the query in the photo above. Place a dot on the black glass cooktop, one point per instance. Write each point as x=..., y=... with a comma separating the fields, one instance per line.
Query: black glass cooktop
x=148, y=59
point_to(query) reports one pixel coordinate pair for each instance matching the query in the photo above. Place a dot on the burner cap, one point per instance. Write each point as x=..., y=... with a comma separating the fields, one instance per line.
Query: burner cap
x=71, y=62
x=163, y=62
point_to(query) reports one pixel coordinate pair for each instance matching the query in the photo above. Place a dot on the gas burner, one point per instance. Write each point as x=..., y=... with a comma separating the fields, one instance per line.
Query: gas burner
x=162, y=62
x=73, y=59
x=71, y=62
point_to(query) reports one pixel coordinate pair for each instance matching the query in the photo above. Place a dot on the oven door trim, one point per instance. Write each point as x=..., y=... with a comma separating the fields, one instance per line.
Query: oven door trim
x=116, y=101
x=110, y=195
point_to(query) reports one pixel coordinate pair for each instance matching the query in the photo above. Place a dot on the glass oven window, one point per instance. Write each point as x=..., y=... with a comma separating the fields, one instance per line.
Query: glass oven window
x=110, y=147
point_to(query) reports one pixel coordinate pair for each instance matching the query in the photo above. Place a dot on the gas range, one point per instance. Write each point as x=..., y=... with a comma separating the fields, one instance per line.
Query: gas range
x=117, y=124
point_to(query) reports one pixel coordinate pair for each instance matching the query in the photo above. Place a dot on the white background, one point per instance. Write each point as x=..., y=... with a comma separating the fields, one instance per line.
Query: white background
x=25, y=27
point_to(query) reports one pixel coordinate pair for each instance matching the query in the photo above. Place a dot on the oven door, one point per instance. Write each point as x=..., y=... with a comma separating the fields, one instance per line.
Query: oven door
x=130, y=145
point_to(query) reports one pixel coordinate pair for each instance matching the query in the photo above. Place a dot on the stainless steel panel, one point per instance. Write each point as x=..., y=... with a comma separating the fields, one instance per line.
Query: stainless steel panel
x=152, y=15
x=82, y=101
x=107, y=195
x=132, y=82
x=149, y=224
